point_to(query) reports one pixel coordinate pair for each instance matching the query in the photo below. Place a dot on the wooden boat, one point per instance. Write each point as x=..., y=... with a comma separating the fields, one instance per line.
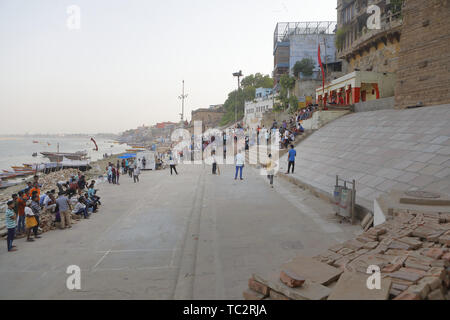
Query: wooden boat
x=138, y=147
x=13, y=175
x=4, y=185
x=58, y=156
x=34, y=141
x=134, y=150
x=20, y=169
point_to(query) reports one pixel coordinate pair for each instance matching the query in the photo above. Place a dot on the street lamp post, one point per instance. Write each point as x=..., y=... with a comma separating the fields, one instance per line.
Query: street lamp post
x=238, y=75
x=182, y=97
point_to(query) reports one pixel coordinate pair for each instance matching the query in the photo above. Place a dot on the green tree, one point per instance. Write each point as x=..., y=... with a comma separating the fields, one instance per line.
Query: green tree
x=286, y=100
x=257, y=80
x=246, y=93
x=305, y=66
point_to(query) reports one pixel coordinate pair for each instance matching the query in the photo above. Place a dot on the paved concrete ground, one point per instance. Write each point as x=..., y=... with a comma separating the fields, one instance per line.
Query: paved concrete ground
x=191, y=236
x=383, y=150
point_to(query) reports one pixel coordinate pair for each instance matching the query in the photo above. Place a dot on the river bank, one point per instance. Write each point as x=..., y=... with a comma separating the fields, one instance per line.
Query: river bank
x=48, y=181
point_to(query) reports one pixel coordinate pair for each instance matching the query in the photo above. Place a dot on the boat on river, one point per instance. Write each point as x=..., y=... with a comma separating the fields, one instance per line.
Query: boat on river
x=59, y=156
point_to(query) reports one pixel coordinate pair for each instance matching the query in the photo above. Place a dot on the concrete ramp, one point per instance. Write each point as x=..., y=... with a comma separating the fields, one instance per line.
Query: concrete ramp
x=383, y=150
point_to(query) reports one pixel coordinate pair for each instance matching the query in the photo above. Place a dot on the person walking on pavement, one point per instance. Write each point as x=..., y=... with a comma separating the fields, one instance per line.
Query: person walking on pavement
x=239, y=159
x=291, y=159
x=270, y=166
x=214, y=162
x=136, y=173
x=172, y=166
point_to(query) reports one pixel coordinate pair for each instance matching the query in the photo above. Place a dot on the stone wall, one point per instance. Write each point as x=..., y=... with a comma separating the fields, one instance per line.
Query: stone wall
x=210, y=118
x=424, y=60
x=383, y=58
x=373, y=105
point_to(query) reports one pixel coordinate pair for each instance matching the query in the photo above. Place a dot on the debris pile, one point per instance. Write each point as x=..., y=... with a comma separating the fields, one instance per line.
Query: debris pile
x=46, y=221
x=50, y=180
x=410, y=253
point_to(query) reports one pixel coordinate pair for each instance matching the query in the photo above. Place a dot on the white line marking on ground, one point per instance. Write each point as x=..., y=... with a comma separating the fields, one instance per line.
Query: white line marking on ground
x=134, y=250
x=101, y=259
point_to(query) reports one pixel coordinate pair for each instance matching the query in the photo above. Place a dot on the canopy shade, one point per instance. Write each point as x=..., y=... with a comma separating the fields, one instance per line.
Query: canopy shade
x=128, y=156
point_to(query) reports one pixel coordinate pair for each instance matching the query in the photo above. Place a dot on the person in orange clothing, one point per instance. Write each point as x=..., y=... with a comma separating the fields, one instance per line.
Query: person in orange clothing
x=35, y=188
x=21, y=203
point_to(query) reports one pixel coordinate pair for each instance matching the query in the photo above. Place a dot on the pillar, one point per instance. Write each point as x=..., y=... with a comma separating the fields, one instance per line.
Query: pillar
x=377, y=91
x=356, y=93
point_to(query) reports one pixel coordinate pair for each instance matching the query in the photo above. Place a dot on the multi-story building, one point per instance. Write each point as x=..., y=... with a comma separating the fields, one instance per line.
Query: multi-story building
x=294, y=41
x=254, y=110
x=370, y=51
x=263, y=92
x=366, y=46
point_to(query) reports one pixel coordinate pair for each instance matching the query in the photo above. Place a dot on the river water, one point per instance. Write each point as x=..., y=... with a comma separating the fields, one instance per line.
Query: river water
x=17, y=151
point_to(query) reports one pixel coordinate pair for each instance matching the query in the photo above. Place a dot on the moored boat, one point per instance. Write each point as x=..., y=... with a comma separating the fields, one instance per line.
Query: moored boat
x=59, y=156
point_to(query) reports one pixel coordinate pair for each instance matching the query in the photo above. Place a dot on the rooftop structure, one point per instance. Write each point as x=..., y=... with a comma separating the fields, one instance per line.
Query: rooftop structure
x=294, y=41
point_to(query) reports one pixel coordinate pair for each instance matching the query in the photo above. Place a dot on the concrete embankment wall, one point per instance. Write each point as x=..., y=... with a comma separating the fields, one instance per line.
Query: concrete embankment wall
x=383, y=150
x=374, y=105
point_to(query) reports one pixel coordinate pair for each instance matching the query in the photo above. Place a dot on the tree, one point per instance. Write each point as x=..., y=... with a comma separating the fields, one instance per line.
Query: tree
x=285, y=99
x=257, y=81
x=340, y=37
x=246, y=93
x=305, y=66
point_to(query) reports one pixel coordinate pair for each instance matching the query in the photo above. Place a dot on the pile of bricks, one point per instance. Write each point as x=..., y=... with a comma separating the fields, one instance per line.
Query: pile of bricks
x=412, y=252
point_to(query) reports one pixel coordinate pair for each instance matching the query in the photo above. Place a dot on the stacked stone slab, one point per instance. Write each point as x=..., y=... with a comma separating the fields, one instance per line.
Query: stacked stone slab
x=412, y=252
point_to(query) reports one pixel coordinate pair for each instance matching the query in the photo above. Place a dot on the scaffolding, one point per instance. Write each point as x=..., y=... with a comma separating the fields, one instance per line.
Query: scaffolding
x=284, y=30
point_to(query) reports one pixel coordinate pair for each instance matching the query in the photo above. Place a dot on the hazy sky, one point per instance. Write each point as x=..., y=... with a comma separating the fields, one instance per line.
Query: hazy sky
x=124, y=66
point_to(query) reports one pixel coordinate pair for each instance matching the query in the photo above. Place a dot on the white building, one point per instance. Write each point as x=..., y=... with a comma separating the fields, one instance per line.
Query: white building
x=254, y=110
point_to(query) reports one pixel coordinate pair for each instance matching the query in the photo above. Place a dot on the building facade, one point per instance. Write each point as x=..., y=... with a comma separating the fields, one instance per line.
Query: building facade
x=210, y=117
x=362, y=45
x=254, y=110
x=294, y=41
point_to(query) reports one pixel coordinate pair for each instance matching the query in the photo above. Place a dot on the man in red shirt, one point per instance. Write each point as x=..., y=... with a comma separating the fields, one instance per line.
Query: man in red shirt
x=21, y=203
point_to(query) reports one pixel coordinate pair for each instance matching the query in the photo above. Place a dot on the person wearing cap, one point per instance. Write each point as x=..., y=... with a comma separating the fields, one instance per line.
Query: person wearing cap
x=10, y=225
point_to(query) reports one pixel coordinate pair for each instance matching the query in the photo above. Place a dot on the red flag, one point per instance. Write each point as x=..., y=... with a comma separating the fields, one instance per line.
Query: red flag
x=323, y=72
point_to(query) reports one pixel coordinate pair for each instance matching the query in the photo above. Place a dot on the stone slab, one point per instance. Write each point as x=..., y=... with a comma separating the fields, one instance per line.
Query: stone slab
x=312, y=270
x=353, y=286
x=308, y=291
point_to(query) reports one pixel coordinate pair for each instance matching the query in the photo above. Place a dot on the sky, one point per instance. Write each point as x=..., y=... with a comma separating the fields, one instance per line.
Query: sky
x=124, y=66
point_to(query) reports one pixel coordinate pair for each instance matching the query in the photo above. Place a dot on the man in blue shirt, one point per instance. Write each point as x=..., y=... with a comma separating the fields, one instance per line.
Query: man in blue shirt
x=10, y=225
x=291, y=159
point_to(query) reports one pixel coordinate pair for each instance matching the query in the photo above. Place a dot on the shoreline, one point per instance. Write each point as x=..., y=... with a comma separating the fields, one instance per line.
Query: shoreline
x=97, y=171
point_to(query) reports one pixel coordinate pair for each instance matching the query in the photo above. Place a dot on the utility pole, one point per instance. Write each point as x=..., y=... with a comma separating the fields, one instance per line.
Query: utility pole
x=238, y=75
x=182, y=97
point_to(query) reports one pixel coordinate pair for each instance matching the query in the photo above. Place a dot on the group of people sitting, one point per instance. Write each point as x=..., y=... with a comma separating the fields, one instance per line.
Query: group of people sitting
x=24, y=210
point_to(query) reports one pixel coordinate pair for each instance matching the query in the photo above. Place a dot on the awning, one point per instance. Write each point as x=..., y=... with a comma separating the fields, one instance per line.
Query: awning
x=127, y=156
